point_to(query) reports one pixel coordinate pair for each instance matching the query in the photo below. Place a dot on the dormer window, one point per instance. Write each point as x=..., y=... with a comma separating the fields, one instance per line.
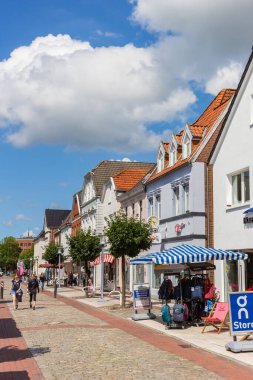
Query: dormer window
x=173, y=154
x=160, y=161
x=186, y=146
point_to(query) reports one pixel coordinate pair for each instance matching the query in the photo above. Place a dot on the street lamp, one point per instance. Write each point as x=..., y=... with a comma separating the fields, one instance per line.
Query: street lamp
x=59, y=252
x=37, y=265
x=102, y=245
x=31, y=259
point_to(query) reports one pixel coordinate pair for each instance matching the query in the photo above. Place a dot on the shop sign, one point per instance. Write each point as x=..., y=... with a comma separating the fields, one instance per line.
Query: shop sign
x=142, y=298
x=247, y=220
x=241, y=313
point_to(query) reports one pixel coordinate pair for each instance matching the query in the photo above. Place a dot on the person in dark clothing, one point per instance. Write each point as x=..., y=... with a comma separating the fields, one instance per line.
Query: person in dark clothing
x=42, y=281
x=33, y=289
x=166, y=290
x=70, y=279
x=15, y=287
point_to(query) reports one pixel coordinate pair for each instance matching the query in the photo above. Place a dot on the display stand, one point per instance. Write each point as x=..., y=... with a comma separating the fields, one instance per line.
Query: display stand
x=142, y=300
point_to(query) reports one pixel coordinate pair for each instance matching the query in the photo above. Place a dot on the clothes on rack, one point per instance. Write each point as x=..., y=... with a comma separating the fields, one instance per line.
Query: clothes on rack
x=166, y=290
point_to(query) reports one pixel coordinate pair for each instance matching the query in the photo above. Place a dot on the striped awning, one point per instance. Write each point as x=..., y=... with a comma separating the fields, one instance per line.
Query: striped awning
x=108, y=258
x=184, y=254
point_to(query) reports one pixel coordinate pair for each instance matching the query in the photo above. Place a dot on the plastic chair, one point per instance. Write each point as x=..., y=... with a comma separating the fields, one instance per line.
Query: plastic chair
x=217, y=317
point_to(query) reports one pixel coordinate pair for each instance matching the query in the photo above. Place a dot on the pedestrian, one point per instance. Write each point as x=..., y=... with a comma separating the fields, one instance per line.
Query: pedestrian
x=15, y=287
x=83, y=278
x=33, y=288
x=42, y=281
x=70, y=279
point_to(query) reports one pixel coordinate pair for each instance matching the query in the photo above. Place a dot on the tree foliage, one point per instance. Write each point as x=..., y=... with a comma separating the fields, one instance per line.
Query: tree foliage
x=51, y=253
x=26, y=255
x=9, y=253
x=127, y=237
x=84, y=247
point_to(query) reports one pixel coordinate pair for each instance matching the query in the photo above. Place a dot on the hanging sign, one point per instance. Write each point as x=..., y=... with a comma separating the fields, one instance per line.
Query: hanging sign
x=241, y=313
x=142, y=298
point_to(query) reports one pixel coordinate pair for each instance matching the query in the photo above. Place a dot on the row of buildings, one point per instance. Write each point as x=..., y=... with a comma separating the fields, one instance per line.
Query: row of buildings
x=198, y=192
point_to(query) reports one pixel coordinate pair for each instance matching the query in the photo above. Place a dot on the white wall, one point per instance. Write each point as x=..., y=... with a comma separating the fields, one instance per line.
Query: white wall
x=235, y=154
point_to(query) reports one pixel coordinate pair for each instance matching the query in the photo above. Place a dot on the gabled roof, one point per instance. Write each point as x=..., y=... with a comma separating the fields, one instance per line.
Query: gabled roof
x=128, y=178
x=54, y=218
x=107, y=169
x=201, y=128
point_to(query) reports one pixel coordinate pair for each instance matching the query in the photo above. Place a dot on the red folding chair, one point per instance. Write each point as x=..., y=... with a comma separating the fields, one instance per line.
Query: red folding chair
x=217, y=317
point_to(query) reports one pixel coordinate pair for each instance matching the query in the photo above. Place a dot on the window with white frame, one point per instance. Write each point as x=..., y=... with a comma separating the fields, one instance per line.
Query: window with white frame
x=160, y=161
x=158, y=205
x=240, y=187
x=150, y=206
x=176, y=200
x=186, y=147
x=140, y=210
x=186, y=205
x=173, y=154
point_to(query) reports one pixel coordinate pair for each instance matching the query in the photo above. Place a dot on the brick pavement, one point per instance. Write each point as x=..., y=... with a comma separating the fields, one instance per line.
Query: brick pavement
x=71, y=340
x=16, y=361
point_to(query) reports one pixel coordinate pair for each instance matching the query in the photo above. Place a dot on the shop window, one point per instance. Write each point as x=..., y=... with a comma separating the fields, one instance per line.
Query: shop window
x=157, y=279
x=231, y=277
x=138, y=274
x=240, y=188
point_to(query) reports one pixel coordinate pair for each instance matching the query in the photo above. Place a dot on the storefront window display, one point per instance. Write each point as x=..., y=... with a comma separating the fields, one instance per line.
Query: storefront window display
x=139, y=274
x=231, y=277
x=157, y=279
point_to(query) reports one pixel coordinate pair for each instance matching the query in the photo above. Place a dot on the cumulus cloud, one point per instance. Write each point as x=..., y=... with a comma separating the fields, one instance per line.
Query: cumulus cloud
x=58, y=90
x=209, y=35
x=62, y=91
x=21, y=217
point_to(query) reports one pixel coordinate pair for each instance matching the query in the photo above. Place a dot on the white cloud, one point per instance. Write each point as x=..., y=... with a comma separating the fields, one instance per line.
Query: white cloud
x=225, y=77
x=28, y=233
x=21, y=217
x=64, y=184
x=54, y=205
x=8, y=223
x=209, y=35
x=107, y=34
x=62, y=91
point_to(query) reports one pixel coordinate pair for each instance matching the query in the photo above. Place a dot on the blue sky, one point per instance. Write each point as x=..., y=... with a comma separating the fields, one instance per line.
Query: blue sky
x=87, y=80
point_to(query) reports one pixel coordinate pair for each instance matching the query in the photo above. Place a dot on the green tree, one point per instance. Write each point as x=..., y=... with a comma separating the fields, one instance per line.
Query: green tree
x=84, y=247
x=127, y=237
x=51, y=253
x=26, y=255
x=9, y=253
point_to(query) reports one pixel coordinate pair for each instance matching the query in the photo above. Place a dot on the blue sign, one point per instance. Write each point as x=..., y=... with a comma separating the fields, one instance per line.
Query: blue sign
x=142, y=297
x=241, y=312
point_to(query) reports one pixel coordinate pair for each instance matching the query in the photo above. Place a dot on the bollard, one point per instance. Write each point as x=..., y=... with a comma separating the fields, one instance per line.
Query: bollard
x=55, y=289
x=2, y=290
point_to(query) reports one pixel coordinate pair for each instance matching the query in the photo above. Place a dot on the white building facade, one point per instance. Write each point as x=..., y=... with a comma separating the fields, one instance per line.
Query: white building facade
x=232, y=165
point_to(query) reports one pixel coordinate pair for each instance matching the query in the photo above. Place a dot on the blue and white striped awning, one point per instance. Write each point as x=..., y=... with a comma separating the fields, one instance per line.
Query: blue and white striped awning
x=184, y=254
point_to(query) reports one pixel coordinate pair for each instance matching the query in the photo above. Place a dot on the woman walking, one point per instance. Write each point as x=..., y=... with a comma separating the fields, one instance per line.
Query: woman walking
x=15, y=287
x=33, y=289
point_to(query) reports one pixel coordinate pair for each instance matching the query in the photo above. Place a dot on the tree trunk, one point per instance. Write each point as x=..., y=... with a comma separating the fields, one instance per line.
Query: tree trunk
x=123, y=288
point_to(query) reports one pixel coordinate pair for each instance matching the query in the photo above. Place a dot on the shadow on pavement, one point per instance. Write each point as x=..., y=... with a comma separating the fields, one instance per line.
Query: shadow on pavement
x=17, y=375
x=12, y=353
x=8, y=329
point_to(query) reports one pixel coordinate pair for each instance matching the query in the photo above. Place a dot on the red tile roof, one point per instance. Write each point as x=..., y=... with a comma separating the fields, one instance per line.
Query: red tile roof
x=128, y=178
x=200, y=128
